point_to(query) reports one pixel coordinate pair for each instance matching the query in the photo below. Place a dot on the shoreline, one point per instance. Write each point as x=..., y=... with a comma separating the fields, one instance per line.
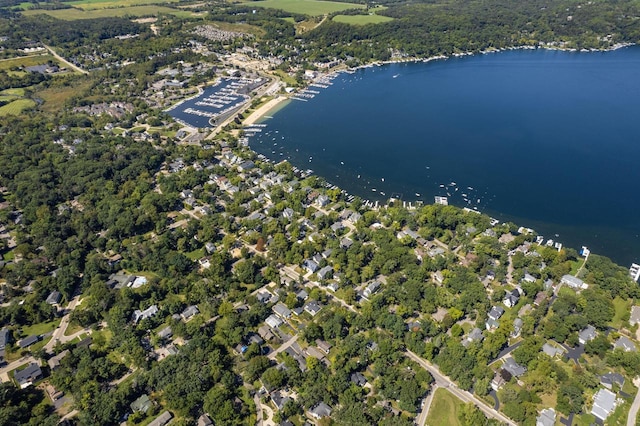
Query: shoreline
x=262, y=111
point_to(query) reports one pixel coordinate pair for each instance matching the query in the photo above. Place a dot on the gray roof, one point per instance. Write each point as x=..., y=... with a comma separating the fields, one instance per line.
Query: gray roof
x=54, y=362
x=54, y=297
x=572, y=281
x=496, y=312
x=603, y=403
x=312, y=307
x=29, y=374
x=547, y=417
x=321, y=410
x=28, y=341
x=635, y=315
x=610, y=378
x=625, y=344
x=147, y=313
x=282, y=310
x=141, y=404
x=5, y=336
x=589, y=333
x=189, y=312
x=165, y=333
x=513, y=367
x=552, y=351
x=162, y=419
x=358, y=378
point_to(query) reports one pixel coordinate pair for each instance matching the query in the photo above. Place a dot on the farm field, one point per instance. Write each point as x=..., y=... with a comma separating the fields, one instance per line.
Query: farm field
x=361, y=19
x=110, y=4
x=76, y=14
x=306, y=7
x=26, y=61
x=16, y=107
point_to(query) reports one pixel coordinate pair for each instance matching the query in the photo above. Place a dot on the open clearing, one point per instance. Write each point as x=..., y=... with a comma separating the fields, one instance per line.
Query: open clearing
x=444, y=409
x=26, y=61
x=305, y=7
x=361, y=19
x=110, y=4
x=16, y=107
x=75, y=14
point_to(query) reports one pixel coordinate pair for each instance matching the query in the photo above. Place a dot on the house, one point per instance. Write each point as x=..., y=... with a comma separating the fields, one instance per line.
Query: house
x=587, y=334
x=492, y=324
x=495, y=313
x=625, y=344
x=540, y=297
x=273, y=322
x=552, y=351
x=323, y=346
x=609, y=379
x=28, y=375
x=54, y=297
x=333, y=287
x=438, y=277
x=474, y=336
x=147, y=313
x=321, y=410
x=547, y=417
x=165, y=333
x=162, y=419
x=325, y=272
x=204, y=420
x=265, y=332
x=322, y=201
x=312, y=308
x=264, y=297
x=141, y=404
x=282, y=311
x=604, y=402
x=315, y=353
x=634, y=272
x=54, y=362
x=338, y=226
x=634, y=318
x=278, y=400
x=5, y=338
x=247, y=165
x=371, y=289
x=302, y=295
x=188, y=313
x=512, y=298
x=517, y=327
x=346, y=243
x=210, y=247
x=501, y=377
x=358, y=379
x=513, y=367
x=310, y=265
x=28, y=341
x=529, y=278
x=573, y=282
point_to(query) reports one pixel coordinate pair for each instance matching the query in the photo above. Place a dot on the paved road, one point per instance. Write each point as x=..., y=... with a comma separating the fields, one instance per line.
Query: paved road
x=506, y=351
x=61, y=59
x=283, y=347
x=421, y=420
x=463, y=395
x=58, y=333
x=633, y=411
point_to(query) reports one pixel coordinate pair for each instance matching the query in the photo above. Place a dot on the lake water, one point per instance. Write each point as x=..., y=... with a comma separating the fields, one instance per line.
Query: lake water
x=546, y=139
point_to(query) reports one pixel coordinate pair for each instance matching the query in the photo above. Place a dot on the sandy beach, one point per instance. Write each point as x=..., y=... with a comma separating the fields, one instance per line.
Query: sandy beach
x=264, y=109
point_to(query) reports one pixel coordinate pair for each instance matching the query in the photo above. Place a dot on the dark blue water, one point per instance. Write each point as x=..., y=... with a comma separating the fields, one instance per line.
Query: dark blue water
x=197, y=111
x=546, y=139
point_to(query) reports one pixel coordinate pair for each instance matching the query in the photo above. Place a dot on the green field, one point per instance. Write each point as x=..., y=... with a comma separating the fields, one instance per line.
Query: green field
x=26, y=61
x=16, y=107
x=110, y=4
x=75, y=14
x=444, y=409
x=13, y=92
x=305, y=7
x=361, y=19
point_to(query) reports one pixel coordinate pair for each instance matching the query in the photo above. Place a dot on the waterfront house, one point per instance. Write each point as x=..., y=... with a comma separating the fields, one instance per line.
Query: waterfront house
x=573, y=282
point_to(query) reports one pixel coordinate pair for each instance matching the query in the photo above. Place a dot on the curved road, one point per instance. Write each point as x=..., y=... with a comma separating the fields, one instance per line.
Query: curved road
x=633, y=411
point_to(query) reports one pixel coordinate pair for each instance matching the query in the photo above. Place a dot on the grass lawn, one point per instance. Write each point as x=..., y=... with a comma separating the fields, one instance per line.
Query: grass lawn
x=444, y=409
x=41, y=328
x=584, y=420
x=13, y=92
x=75, y=14
x=305, y=7
x=195, y=255
x=110, y=4
x=361, y=19
x=8, y=256
x=16, y=107
x=623, y=308
x=25, y=61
